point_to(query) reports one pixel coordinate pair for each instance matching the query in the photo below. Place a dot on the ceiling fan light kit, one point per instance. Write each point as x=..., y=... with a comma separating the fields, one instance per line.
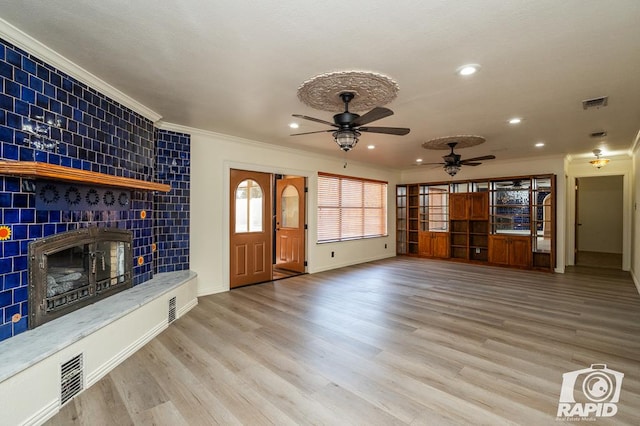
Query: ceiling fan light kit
x=348, y=88
x=452, y=161
x=346, y=139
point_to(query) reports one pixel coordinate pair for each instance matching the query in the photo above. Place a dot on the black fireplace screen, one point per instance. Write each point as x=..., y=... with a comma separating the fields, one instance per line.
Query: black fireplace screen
x=73, y=269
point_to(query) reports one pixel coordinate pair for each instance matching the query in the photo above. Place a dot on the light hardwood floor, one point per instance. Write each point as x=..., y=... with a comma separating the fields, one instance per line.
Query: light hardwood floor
x=399, y=341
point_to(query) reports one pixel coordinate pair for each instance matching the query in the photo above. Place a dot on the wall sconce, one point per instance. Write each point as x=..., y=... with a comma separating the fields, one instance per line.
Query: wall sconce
x=598, y=162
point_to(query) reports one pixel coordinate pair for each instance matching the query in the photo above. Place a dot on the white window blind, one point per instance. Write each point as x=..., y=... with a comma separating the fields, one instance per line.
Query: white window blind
x=350, y=208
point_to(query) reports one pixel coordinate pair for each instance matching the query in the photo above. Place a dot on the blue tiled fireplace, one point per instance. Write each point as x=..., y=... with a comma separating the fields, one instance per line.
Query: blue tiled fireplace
x=47, y=116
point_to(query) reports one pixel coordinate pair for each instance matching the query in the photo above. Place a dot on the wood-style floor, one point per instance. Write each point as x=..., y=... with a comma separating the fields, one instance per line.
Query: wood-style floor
x=598, y=259
x=399, y=341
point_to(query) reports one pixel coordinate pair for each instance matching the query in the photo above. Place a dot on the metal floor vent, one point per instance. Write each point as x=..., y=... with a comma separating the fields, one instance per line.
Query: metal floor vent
x=71, y=378
x=172, y=309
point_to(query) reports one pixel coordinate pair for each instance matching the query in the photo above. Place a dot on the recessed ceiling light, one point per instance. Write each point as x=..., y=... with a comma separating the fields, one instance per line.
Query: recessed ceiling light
x=371, y=146
x=419, y=160
x=539, y=144
x=294, y=125
x=468, y=69
x=515, y=120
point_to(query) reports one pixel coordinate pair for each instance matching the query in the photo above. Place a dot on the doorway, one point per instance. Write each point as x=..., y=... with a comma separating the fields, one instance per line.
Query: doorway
x=599, y=221
x=267, y=235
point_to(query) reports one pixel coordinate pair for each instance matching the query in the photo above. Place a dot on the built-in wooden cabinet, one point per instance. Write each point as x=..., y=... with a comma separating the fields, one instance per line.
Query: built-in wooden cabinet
x=469, y=225
x=434, y=244
x=504, y=221
x=469, y=205
x=510, y=250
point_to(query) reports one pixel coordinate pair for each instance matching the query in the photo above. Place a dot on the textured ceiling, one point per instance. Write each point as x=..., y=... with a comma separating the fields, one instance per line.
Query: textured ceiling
x=234, y=67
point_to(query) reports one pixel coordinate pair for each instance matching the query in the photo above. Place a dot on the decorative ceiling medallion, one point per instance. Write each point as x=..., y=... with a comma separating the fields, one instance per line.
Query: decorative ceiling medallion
x=462, y=141
x=370, y=89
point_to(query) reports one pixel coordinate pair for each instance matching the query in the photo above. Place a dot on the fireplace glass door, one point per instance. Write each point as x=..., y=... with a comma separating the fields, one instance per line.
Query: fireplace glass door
x=73, y=269
x=67, y=276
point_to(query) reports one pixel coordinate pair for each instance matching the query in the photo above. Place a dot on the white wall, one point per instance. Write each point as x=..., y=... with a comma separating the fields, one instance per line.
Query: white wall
x=495, y=169
x=213, y=155
x=599, y=213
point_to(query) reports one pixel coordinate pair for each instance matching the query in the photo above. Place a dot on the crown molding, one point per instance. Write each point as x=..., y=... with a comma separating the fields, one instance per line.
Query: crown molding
x=24, y=41
x=179, y=128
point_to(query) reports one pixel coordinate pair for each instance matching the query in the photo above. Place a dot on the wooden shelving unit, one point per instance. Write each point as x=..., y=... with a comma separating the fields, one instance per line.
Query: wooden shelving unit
x=504, y=221
x=479, y=240
x=413, y=223
x=401, y=219
x=469, y=225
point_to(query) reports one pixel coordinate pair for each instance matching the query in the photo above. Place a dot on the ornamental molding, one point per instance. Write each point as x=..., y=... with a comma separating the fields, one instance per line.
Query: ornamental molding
x=462, y=141
x=370, y=90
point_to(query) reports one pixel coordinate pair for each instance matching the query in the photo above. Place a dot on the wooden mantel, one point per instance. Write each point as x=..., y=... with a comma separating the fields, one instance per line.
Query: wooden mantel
x=33, y=169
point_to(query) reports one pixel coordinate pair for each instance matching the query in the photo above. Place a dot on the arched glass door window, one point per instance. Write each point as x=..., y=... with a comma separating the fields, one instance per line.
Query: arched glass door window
x=249, y=202
x=290, y=206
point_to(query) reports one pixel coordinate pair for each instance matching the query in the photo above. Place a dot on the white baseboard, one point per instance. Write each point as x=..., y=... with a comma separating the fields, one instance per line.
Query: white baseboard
x=125, y=353
x=635, y=280
x=105, y=368
x=44, y=414
x=187, y=307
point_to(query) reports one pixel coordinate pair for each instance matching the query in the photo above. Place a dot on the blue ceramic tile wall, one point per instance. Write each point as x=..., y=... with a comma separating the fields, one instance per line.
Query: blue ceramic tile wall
x=173, y=165
x=88, y=131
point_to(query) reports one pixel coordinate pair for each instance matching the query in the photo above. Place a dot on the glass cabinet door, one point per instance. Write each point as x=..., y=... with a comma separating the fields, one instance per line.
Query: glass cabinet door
x=438, y=199
x=510, y=207
x=401, y=219
x=542, y=216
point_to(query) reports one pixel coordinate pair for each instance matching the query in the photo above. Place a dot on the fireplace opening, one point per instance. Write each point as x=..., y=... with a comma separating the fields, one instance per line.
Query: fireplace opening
x=74, y=269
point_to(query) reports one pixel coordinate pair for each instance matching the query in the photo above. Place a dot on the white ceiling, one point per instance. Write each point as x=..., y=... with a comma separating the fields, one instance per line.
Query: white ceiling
x=233, y=66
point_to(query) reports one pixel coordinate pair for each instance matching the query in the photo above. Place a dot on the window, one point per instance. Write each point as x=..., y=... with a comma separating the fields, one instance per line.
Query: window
x=290, y=207
x=350, y=208
x=248, y=207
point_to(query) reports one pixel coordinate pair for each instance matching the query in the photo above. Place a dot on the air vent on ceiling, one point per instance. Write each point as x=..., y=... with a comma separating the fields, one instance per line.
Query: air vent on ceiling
x=172, y=309
x=601, y=134
x=595, y=102
x=71, y=378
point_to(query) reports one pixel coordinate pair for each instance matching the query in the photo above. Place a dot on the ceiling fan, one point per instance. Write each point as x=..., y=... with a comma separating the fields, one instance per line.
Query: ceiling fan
x=349, y=126
x=453, y=163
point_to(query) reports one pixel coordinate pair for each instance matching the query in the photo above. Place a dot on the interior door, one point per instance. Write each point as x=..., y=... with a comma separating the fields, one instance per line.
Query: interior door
x=250, y=228
x=290, y=224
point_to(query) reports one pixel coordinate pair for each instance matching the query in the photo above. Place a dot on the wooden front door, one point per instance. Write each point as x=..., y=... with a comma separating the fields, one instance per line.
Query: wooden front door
x=290, y=224
x=250, y=228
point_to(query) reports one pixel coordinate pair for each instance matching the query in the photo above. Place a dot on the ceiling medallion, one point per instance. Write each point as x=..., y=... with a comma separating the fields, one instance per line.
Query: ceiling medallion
x=370, y=89
x=462, y=141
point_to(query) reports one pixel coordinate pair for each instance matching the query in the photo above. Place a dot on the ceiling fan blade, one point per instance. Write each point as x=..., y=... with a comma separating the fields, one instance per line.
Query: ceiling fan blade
x=309, y=133
x=317, y=120
x=485, y=157
x=375, y=114
x=400, y=131
x=470, y=164
x=429, y=164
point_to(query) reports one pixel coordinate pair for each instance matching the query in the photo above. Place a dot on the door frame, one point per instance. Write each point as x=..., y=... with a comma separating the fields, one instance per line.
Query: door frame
x=570, y=237
x=226, y=210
